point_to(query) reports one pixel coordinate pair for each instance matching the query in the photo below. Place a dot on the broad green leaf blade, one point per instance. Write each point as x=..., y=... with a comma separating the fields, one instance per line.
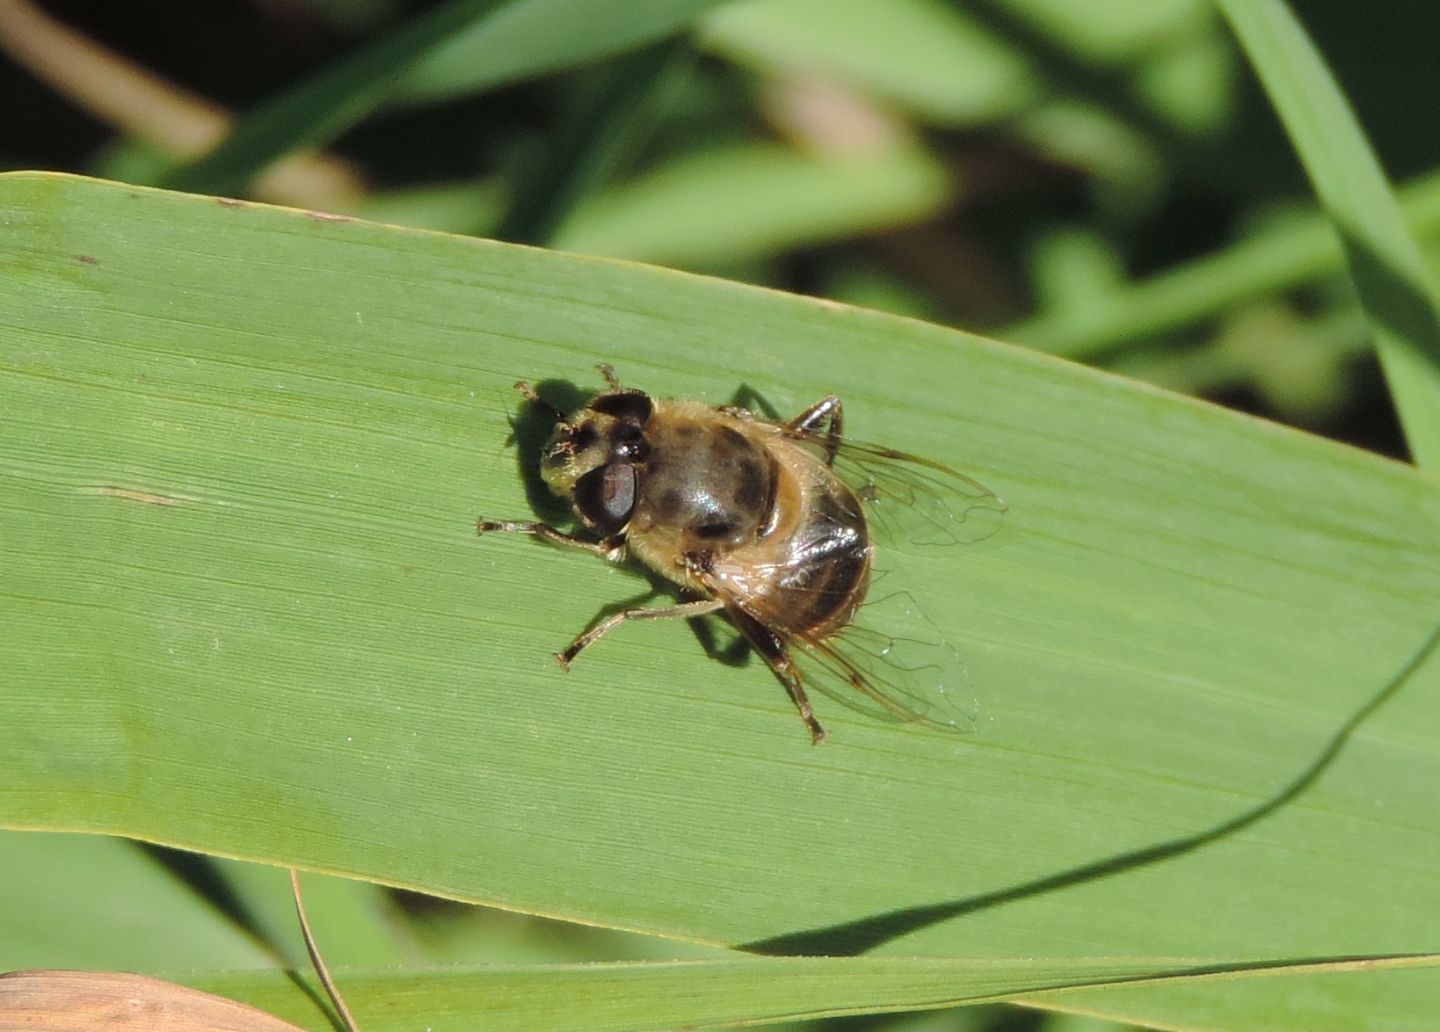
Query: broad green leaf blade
x=244, y=452
x=1385, y=263
x=705, y=994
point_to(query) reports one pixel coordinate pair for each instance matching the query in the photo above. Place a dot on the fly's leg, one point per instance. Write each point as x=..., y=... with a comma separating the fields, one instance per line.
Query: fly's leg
x=826, y=413
x=608, y=371
x=772, y=649
x=533, y=397
x=610, y=548
x=594, y=634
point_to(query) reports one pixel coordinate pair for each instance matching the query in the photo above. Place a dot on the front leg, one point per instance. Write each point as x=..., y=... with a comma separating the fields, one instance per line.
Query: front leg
x=611, y=548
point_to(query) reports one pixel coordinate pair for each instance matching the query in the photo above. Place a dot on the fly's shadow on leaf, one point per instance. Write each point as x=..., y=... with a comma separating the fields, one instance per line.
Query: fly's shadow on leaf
x=721, y=641
x=748, y=397
x=531, y=428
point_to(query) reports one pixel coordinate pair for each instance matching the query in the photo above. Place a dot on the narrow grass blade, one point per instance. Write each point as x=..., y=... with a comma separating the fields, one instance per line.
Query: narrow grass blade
x=703, y=994
x=1384, y=261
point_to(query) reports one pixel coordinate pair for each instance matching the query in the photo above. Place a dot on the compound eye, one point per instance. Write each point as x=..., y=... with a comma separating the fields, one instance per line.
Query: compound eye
x=619, y=492
x=606, y=496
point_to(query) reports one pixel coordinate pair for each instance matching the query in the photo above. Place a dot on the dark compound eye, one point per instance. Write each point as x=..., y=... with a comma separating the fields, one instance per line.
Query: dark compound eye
x=619, y=492
x=606, y=496
x=627, y=406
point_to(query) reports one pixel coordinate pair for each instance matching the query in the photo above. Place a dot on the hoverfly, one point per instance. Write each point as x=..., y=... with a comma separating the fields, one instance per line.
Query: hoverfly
x=773, y=524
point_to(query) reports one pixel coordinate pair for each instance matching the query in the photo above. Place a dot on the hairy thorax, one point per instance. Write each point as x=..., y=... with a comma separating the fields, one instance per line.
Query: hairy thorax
x=708, y=485
x=774, y=522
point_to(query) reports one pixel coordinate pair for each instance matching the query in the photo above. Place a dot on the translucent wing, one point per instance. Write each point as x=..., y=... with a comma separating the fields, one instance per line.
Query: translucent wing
x=891, y=662
x=911, y=500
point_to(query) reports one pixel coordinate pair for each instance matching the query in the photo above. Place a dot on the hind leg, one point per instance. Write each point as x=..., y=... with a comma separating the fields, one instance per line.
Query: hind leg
x=827, y=413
